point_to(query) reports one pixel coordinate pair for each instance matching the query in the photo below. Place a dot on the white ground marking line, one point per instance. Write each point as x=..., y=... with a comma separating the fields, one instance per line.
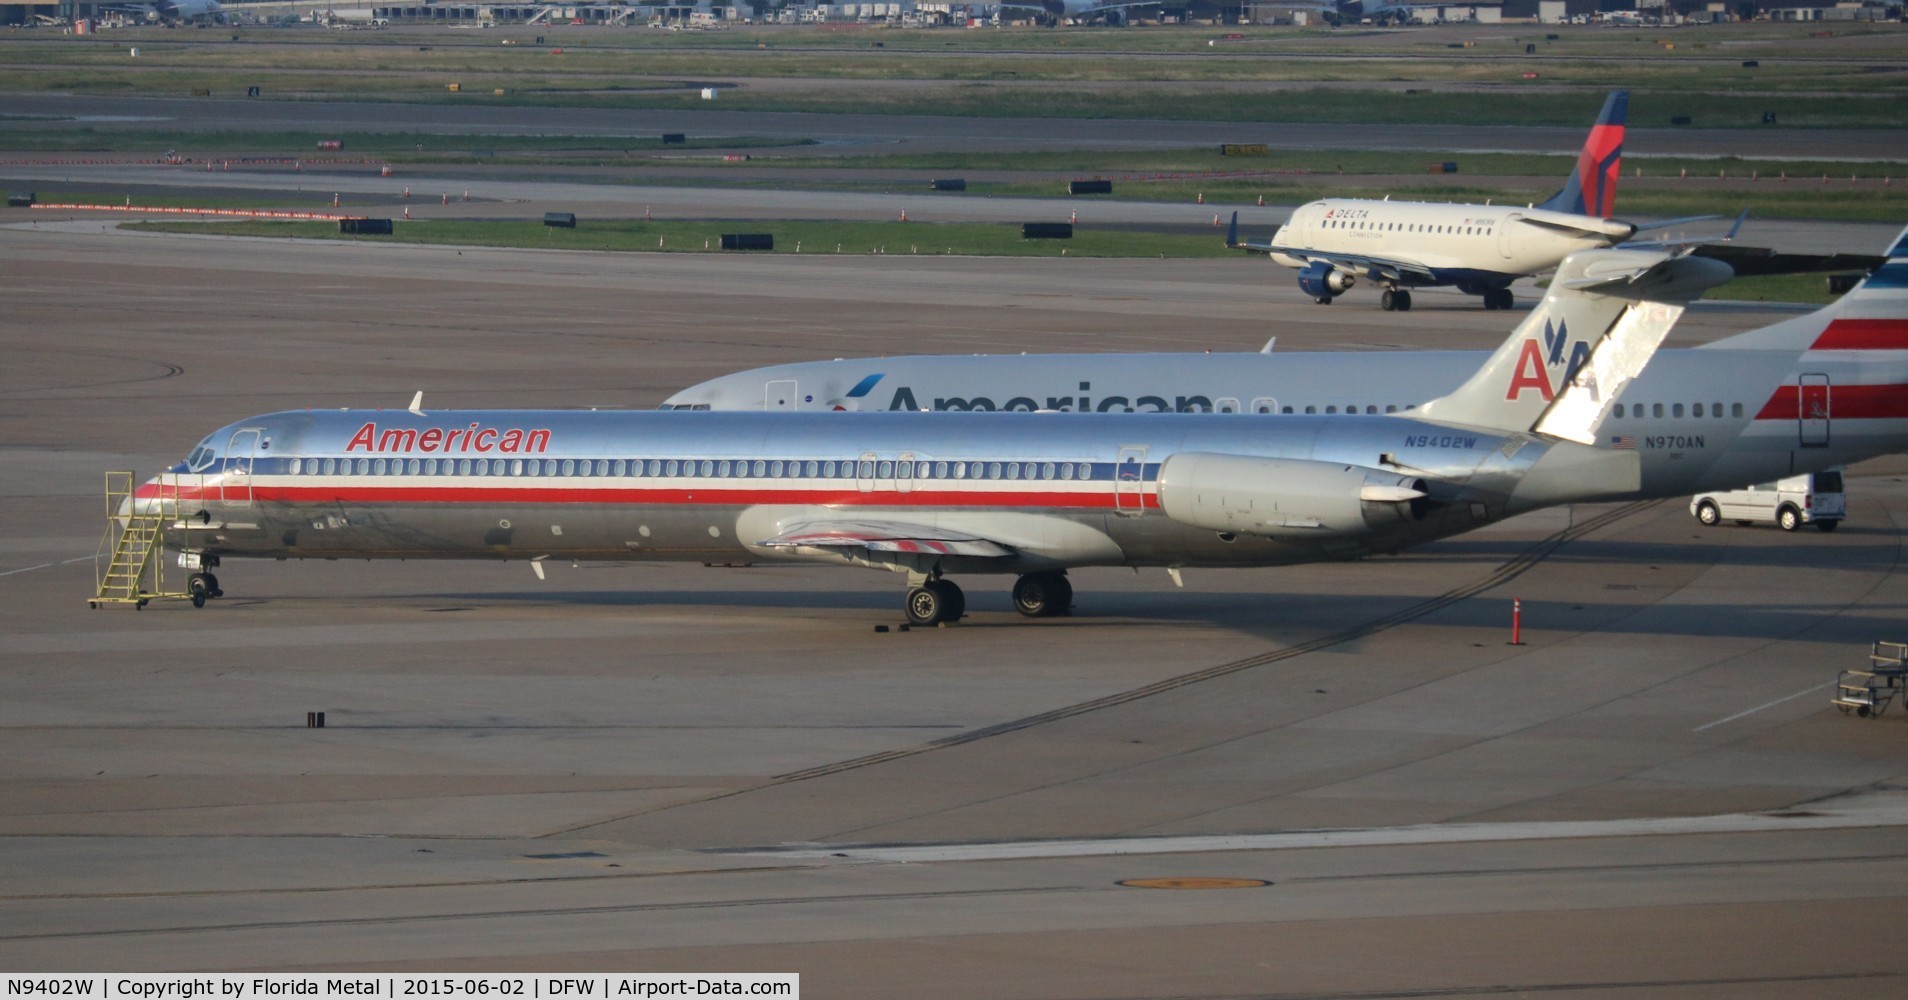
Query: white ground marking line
x=1758, y=708
x=1886, y=809
x=29, y=569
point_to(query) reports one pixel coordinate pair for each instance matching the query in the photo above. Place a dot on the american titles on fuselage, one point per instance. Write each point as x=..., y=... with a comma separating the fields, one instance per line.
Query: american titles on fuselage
x=475, y=438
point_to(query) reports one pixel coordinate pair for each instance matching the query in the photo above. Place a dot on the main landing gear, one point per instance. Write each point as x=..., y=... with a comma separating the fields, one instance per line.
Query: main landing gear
x=1045, y=594
x=935, y=601
x=203, y=587
x=1395, y=300
x=1499, y=298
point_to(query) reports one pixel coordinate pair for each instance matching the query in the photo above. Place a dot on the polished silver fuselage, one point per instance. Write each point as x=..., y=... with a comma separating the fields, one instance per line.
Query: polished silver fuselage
x=1057, y=489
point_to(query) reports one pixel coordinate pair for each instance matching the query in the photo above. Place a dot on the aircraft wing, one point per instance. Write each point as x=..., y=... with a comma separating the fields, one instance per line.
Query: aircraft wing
x=1753, y=261
x=1378, y=268
x=886, y=536
x=1373, y=268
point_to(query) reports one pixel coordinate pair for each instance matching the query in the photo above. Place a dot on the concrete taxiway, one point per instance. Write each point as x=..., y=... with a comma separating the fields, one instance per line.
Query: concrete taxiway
x=682, y=768
x=842, y=133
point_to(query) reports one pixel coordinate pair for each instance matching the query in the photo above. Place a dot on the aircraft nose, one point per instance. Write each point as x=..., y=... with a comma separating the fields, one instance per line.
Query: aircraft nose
x=150, y=499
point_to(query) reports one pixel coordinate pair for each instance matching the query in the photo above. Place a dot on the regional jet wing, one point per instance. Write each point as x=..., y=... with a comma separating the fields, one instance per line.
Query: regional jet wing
x=1392, y=269
x=885, y=536
x=1395, y=269
x=1756, y=261
x=1753, y=261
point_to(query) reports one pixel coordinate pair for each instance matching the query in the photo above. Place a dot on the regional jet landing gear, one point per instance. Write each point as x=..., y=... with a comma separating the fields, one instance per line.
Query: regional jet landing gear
x=1395, y=300
x=933, y=600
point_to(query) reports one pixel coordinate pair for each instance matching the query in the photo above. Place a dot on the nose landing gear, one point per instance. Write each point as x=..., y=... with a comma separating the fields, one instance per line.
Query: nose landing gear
x=202, y=587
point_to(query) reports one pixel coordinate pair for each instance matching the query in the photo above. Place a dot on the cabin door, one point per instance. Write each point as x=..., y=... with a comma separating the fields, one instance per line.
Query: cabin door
x=1814, y=410
x=1504, y=234
x=1129, y=481
x=241, y=451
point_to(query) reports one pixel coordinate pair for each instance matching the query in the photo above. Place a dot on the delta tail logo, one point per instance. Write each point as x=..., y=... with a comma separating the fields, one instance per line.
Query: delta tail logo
x=1592, y=186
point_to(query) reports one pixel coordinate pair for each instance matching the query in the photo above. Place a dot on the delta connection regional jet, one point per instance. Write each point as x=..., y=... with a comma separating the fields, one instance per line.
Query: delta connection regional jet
x=1480, y=249
x=931, y=495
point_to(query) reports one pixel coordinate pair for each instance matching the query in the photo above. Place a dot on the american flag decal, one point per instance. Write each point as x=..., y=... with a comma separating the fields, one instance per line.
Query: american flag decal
x=1623, y=442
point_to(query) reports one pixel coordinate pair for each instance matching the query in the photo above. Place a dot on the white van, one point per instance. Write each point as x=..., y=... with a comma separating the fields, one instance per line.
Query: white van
x=1815, y=498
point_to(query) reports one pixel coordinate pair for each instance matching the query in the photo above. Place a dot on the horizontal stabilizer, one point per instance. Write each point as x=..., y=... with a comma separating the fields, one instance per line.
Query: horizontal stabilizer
x=1581, y=225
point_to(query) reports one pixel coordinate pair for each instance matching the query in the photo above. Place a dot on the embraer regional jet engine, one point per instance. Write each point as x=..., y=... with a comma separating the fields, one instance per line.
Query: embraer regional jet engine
x=1322, y=281
x=1282, y=497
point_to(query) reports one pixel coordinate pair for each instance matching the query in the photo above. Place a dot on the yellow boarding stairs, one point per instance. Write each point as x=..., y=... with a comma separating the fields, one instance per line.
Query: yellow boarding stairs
x=1868, y=693
x=129, y=567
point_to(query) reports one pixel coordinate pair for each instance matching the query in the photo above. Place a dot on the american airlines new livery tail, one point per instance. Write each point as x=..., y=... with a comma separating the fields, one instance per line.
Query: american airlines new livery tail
x=1480, y=249
x=931, y=495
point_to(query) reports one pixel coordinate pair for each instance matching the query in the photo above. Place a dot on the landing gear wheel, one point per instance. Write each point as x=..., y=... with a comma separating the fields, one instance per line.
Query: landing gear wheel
x=1323, y=300
x=954, y=602
x=1388, y=300
x=199, y=585
x=1401, y=301
x=1499, y=298
x=925, y=605
x=1788, y=519
x=1707, y=513
x=1043, y=595
x=1826, y=525
x=212, y=580
x=198, y=600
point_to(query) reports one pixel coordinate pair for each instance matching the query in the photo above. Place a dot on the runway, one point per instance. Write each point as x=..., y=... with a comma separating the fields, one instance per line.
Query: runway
x=678, y=767
x=847, y=133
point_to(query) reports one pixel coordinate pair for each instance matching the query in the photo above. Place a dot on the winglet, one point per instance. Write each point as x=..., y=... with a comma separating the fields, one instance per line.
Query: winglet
x=417, y=403
x=1232, y=232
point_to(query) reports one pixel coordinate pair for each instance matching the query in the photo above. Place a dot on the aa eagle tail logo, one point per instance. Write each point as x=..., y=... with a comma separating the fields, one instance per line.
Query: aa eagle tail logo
x=1535, y=362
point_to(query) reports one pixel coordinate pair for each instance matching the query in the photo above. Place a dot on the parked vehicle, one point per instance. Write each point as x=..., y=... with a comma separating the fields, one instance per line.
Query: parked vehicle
x=1787, y=503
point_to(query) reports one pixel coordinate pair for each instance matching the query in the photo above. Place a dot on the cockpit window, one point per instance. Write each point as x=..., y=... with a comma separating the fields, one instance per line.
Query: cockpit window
x=201, y=458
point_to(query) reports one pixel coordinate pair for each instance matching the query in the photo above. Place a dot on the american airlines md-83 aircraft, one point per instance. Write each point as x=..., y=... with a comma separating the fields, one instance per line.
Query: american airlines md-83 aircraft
x=1033, y=494
x=1480, y=249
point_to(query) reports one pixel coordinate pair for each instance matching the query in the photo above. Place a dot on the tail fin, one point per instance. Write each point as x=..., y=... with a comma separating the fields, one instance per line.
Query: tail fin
x=1602, y=319
x=1591, y=189
x=1872, y=316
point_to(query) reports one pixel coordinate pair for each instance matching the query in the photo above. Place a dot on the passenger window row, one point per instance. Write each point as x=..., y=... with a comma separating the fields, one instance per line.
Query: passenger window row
x=657, y=468
x=1351, y=408
x=1408, y=227
x=1674, y=411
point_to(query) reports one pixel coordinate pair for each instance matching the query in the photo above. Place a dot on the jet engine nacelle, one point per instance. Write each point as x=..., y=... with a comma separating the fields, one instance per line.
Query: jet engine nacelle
x=1283, y=497
x=1321, y=280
